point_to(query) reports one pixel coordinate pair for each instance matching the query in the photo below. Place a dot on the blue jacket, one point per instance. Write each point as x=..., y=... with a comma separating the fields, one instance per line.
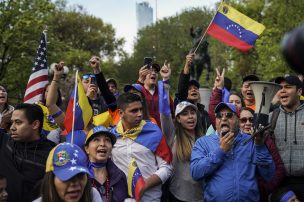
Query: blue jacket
x=230, y=176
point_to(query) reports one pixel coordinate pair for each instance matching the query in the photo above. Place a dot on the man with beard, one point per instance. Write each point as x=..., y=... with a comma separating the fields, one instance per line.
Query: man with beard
x=189, y=90
x=247, y=92
x=289, y=128
x=226, y=165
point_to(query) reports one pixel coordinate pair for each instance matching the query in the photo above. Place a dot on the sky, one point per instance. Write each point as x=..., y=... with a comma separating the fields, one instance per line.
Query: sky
x=122, y=13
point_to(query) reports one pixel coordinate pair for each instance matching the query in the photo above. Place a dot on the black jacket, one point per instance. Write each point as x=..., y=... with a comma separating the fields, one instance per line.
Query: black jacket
x=182, y=94
x=23, y=165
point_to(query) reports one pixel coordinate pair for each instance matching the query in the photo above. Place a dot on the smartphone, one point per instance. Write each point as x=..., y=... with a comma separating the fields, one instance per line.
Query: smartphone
x=93, y=80
x=148, y=61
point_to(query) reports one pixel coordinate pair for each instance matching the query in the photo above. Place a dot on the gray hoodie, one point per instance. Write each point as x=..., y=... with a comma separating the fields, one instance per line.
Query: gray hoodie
x=289, y=138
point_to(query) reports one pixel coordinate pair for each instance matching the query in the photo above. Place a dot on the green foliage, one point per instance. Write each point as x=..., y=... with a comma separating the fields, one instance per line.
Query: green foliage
x=73, y=36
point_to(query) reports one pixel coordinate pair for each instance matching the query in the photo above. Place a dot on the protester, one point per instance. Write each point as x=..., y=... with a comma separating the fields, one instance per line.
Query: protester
x=145, y=143
x=227, y=166
x=109, y=180
x=189, y=90
x=23, y=153
x=3, y=192
x=217, y=96
x=283, y=195
x=187, y=130
x=66, y=177
x=288, y=132
x=148, y=77
x=91, y=88
x=266, y=188
x=112, y=85
x=247, y=92
x=5, y=109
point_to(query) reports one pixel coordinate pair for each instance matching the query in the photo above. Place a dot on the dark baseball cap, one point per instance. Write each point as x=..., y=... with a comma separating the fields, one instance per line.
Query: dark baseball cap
x=194, y=83
x=251, y=77
x=229, y=106
x=291, y=80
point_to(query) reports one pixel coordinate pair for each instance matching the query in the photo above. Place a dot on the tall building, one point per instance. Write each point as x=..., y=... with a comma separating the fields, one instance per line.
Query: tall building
x=144, y=15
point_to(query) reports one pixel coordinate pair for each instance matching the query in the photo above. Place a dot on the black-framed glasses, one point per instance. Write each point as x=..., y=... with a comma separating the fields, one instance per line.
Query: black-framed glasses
x=87, y=76
x=245, y=119
x=220, y=115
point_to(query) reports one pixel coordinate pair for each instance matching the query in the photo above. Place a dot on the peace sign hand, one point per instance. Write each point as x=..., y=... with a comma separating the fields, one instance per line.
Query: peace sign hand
x=219, y=79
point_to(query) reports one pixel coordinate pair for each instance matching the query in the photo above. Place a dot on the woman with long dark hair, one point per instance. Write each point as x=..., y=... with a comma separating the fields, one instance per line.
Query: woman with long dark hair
x=5, y=109
x=187, y=131
x=66, y=178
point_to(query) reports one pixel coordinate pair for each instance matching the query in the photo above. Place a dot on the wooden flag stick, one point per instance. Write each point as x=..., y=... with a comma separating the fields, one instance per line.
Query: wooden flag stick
x=207, y=29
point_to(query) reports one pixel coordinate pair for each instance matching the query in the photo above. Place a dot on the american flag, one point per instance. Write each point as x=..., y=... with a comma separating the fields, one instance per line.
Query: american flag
x=39, y=75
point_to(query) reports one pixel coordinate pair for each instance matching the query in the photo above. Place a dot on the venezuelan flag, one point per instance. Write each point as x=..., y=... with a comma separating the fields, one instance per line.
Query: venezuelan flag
x=135, y=180
x=234, y=28
x=83, y=109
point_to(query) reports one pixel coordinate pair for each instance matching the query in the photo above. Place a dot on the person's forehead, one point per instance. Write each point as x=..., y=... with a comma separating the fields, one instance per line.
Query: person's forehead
x=18, y=114
x=225, y=109
x=246, y=83
x=133, y=105
x=245, y=113
x=234, y=97
x=285, y=83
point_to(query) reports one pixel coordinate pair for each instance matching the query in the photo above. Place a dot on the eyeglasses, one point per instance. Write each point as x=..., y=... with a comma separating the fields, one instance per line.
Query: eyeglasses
x=220, y=115
x=245, y=119
x=87, y=76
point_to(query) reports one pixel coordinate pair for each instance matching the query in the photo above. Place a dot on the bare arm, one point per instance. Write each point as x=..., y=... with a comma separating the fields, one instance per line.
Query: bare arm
x=52, y=95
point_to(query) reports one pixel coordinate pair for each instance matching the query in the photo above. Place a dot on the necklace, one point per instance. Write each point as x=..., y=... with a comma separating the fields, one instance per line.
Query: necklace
x=107, y=190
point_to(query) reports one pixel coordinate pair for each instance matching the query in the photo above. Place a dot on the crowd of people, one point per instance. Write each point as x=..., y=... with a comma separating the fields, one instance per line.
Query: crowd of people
x=182, y=150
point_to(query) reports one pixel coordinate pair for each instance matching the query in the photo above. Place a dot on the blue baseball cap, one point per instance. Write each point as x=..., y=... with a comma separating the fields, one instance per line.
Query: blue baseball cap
x=134, y=86
x=230, y=106
x=67, y=160
x=100, y=130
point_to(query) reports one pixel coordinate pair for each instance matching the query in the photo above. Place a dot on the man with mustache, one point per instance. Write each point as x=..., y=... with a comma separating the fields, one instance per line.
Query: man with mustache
x=247, y=92
x=288, y=132
x=226, y=165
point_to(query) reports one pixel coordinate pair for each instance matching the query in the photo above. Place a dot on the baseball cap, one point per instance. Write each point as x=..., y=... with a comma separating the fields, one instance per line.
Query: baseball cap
x=251, y=77
x=182, y=105
x=100, y=130
x=194, y=83
x=291, y=80
x=67, y=160
x=134, y=86
x=230, y=106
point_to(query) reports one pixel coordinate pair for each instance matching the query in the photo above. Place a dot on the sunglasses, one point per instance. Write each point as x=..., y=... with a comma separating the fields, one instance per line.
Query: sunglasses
x=220, y=115
x=245, y=119
x=87, y=76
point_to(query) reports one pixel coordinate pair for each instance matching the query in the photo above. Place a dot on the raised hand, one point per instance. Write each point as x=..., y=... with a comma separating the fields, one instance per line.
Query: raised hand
x=95, y=64
x=143, y=71
x=189, y=61
x=226, y=141
x=58, y=70
x=219, y=79
x=165, y=71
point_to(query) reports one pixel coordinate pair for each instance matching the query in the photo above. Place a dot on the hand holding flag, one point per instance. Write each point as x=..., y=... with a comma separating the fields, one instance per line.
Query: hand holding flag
x=135, y=181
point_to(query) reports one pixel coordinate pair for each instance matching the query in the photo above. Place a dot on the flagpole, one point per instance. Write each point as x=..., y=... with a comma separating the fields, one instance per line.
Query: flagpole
x=74, y=105
x=207, y=29
x=45, y=32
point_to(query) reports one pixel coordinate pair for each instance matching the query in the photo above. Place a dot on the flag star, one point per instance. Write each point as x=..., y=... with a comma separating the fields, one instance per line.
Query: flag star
x=42, y=65
x=38, y=58
x=76, y=151
x=33, y=69
x=44, y=60
x=81, y=169
x=73, y=161
x=41, y=53
x=44, y=48
x=36, y=63
x=75, y=154
x=42, y=41
x=72, y=168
